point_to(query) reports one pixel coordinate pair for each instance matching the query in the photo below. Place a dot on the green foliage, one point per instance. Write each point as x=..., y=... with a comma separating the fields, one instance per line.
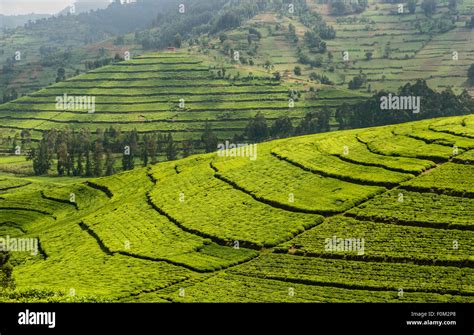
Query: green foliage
x=6, y=270
x=281, y=184
x=429, y=7
x=297, y=70
x=359, y=275
x=412, y=6
x=191, y=224
x=450, y=179
x=207, y=204
x=387, y=242
x=304, y=154
x=470, y=74
x=240, y=289
x=369, y=113
x=357, y=82
x=257, y=129
x=421, y=209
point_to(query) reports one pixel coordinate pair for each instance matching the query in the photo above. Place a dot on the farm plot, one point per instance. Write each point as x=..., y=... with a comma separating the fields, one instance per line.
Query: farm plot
x=399, y=145
x=456, y=126
x=18, y=221
x=31, y=200
x=236, y=288
x=79, y=196
x=465, y=158
x=15, y=164
x=450, y=178
x=303, y=153
x=8, y=184
x=163, y=92
x=135, y=228
x=77, y=264
x=383, y=242
x=350, y=149
x=281, y=184
x=360, y=275
x=421, y=209
x=212, y=208
x=429, y=136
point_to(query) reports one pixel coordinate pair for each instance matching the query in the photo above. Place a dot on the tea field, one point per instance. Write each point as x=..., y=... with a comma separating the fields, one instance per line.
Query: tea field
x=368, y=215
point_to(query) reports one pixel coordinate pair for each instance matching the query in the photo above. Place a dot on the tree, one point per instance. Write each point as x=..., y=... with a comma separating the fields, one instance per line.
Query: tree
x=187, y=148
x=277, y=76
x=178, y=40
x=338, y=8
x=387, y=50
x=209, y=139
x=6, y=270
x=314, y=42
x=470, y=24
x=308, y=125
x=80, y=168
x=42, y=160
x=98, y=159
x=9, y=95
x=292, y=33
x=330, y=56
x=119, y=40
x=368, y=55
x=109, y=163
x=160, y=143
x=222, y=37
x=452, y=4
x=61, y=75
x=128, y=159
x=297, y=70
x=153, y=148
x=88, y=171
x=412, y=6
x=282, y=127
x=470, y=74
x=357, y=82
x=62, y=158
x=323, y=120
x=268, y=65
x=429, y=7
x=145, y=150
x=171, y=151
x=257, y=129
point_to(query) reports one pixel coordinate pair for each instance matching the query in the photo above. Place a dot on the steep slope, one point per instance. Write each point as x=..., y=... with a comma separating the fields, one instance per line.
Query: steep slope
x=169, y=91
x=377, y=214
x=402, y=47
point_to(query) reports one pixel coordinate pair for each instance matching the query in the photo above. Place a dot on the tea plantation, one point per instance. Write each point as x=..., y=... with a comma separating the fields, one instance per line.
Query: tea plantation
x=370, y=215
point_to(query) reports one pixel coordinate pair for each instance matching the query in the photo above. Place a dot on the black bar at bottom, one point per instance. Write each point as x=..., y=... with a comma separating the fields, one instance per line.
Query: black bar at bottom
x=241, y=318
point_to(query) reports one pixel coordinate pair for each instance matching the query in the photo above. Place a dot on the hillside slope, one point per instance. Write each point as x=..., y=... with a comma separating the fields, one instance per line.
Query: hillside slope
x=397, y=201
x=403, y=47
x=170, y=92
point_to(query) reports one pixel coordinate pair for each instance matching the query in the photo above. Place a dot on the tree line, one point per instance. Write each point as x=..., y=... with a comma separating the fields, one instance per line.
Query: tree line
x=433, y=104
x=81, y=153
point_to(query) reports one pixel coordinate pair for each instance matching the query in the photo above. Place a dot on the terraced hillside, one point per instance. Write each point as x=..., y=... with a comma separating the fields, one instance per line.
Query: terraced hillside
x=377, y=214
x=167, y=92
x=30, y=55
x=403, y=47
